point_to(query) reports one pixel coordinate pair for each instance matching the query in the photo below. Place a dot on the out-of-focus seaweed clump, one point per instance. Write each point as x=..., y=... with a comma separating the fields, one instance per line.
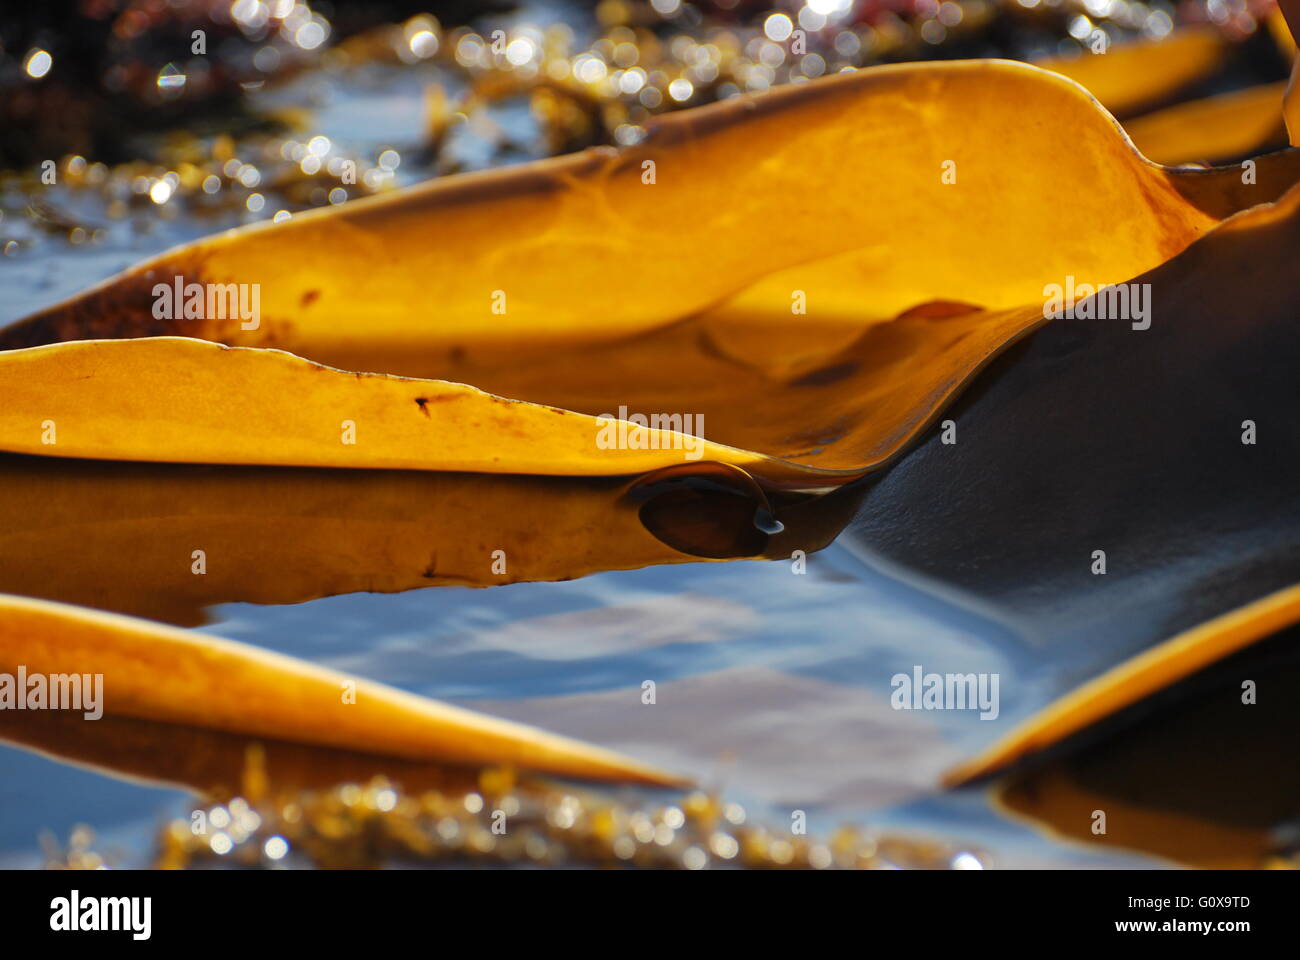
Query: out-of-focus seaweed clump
x=147, y=110
x=503, y=824
x=88, y=77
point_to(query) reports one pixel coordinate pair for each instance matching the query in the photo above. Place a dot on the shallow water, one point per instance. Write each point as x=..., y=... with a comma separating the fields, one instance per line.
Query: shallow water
x=772, y=686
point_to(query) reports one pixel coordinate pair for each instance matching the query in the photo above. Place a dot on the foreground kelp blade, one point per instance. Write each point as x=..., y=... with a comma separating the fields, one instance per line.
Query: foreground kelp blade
x=173, y=399
x=1112, y=487
x=151, y=672
x=164, y=541
x=177, y=399
x=1130, y=76
x=1225, y=127
x=607, y=243
x=828, y=338
x=1204, y=772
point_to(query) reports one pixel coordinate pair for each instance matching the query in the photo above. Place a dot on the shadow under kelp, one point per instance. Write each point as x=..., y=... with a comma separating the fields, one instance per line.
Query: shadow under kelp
x=1204, y=772
x=164, y=541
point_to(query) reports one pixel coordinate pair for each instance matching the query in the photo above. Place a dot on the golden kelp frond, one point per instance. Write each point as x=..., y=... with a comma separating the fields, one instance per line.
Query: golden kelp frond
x=123, y=536
x=151, y=672
x=827, y=339
x=1202, y=773
x=1281, y=33
x=1130, y=76
x=1136, y=679
x=176, y=399
x=875, y=191
x=1219, y=128
x=164, y=541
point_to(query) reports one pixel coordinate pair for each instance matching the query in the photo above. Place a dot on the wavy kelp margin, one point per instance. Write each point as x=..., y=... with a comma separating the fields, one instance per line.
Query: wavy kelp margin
x=1226, y=126
x=685, y=282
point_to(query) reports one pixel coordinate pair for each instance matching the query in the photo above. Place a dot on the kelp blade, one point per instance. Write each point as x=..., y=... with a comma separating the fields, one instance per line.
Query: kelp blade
x=1224, y=127
x=1129, y=76
x=159, y=673
x=1079, y=505
x=165, y=541
x=909, y=292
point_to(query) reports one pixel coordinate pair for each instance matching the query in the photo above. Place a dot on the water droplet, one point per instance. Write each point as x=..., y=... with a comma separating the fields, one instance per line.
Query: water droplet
x=764, y=520
x=170, y=78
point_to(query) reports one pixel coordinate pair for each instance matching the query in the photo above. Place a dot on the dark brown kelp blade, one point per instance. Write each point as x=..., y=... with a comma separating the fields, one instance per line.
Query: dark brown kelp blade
x=1113, y=487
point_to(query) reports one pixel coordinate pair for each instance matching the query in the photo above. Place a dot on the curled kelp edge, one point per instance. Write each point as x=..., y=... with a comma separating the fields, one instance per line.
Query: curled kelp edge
x=70, y=398
x=1219, y=128
x=256, y=429
x=1141, y=74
